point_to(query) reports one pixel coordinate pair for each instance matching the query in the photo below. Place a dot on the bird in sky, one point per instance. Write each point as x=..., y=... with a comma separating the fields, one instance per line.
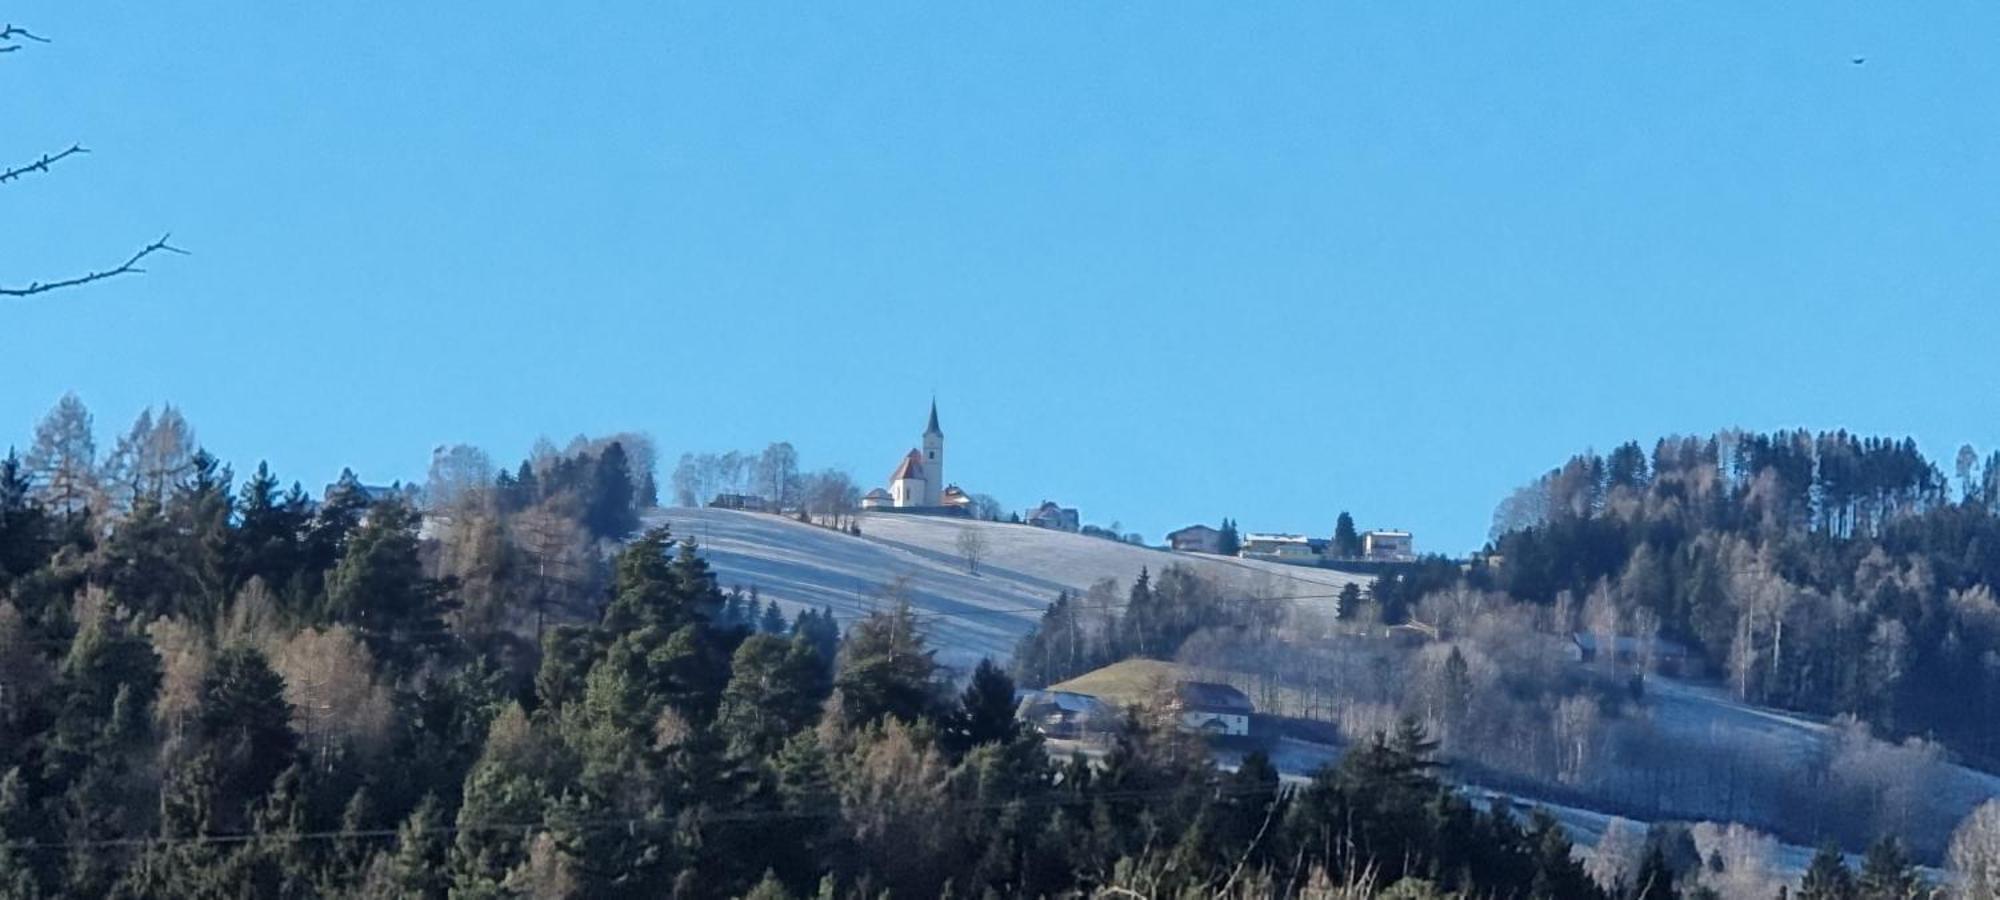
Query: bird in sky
x=1858, y=60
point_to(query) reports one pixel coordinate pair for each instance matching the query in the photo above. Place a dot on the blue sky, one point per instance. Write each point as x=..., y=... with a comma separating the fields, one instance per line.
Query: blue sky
x=1163, y=262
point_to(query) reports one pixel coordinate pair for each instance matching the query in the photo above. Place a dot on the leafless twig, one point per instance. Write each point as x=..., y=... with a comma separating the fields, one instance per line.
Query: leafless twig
x=41, y=165
x=129, y=267
x=12, y=32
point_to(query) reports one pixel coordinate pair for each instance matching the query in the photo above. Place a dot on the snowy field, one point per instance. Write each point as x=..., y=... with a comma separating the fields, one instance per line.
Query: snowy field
x=967, y=615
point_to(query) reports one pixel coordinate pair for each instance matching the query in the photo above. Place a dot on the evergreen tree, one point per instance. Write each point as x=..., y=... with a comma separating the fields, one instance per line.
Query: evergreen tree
x=244, y=737
x=25, y=535
x=648, y=589
x=885, y=669
x=418, y=865
x=1655, y=879
x=1350, y=600
x=1827, y=876
x=18, y=876
x=1558, y=873
x=1346, y=541
x=775, y=689
x=1229, y=542
x=773, y=620
x=985, y=713
x=1887, y=873
x=609, y=510
x=267, y=536
x=379, y=588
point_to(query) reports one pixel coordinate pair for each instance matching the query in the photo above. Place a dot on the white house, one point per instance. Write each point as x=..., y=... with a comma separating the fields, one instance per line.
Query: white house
x=1213, y=708
x=1293, y=547
x=1388, y=545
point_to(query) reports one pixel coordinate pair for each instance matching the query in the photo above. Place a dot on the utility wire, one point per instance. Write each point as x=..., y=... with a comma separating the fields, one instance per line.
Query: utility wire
x=631, y=823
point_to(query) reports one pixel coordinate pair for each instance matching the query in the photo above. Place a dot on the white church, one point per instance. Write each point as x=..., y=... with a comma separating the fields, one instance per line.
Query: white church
x=918, y=484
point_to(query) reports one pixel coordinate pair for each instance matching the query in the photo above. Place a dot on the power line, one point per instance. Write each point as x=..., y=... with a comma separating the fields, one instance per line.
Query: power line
x=1220, y=791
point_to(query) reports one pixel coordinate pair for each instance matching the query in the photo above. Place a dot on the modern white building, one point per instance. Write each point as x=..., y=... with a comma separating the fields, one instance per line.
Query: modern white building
x=1388, y=545
x=1295, y=547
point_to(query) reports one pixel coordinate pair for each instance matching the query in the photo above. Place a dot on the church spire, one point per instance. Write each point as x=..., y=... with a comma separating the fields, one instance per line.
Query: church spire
x=933, y=429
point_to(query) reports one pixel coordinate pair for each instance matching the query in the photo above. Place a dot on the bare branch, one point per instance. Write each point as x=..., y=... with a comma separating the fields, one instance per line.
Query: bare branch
x=129, y=267
x=11, y=32
x=41, y=165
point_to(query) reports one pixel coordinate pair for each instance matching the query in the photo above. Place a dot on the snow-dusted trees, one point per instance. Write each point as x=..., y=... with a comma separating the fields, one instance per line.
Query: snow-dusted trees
x=1616, y=857
x=1975, y=853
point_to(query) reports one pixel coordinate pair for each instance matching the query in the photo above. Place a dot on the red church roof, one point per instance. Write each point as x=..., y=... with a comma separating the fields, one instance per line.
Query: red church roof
x=912, y=467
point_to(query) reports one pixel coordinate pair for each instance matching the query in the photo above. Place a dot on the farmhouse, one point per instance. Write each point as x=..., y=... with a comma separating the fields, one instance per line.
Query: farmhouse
x=1055, y=517
x=1209, y=708
x=1212, y=708
x=1283, y=547
x=1196, y=539
x=1062, y=714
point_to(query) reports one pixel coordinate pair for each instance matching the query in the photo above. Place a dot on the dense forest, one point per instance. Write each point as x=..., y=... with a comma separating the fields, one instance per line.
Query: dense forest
x=213, y=689
x=1825, y=573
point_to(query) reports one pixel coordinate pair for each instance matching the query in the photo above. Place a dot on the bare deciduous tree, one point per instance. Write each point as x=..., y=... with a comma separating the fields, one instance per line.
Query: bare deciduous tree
x=330, y=683
x=63, y=459
x=12, y=38
x=972, y=546
x=1975, y=853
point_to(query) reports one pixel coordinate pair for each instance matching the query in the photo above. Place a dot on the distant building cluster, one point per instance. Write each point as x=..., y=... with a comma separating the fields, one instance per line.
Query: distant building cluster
x=1376, y=546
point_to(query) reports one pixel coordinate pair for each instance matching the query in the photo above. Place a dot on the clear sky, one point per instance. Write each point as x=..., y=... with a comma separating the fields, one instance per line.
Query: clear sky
x=1164, y=262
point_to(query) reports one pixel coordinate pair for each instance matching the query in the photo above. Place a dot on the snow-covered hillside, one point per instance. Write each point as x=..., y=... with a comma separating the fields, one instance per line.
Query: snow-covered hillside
x=967, y=615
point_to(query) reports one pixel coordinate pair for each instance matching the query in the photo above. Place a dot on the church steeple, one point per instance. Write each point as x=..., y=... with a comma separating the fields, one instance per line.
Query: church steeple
x=934, y=483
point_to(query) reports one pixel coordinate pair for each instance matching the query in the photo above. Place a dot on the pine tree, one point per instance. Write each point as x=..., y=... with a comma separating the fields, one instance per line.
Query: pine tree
x=1827, y=876
x=608, y=508
x=379, y=587
x=244, y=734
x=885, y=669
x=1655, y=879
x=1350, y=600
x=773, y=620
x=18, y=879
x=418, y=865
x=985, y=713
x=1346, y=541
x=1558, y=874
x=775, y=689
x=24, y=529
x=1887, y=873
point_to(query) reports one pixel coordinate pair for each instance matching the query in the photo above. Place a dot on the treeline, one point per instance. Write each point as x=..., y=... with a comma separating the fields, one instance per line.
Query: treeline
x=209, y=691
x=1825, y=573
x=1081, y=632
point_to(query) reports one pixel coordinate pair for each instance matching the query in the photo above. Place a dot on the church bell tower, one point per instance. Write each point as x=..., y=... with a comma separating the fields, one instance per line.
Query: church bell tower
x=933, y=461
